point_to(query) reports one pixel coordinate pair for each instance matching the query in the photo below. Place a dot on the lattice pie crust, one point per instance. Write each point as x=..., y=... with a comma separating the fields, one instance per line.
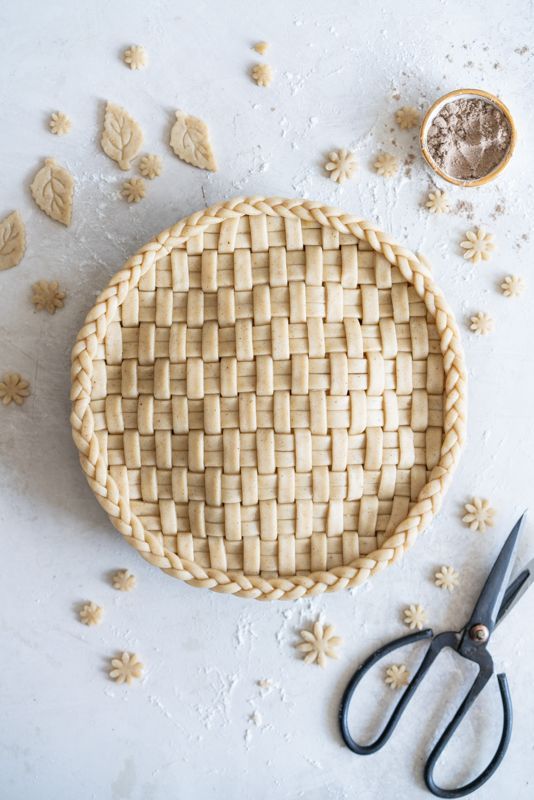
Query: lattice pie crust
x=268, y=399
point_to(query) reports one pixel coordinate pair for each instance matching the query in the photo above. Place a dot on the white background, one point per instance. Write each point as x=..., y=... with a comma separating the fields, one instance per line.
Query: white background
x=341, y=70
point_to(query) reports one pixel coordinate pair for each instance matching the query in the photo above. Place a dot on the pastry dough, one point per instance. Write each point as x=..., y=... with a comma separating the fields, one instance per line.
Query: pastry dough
x=53, y=190
x=190, y=141
x=265, y=400
x=12, y=240
x=121, y=137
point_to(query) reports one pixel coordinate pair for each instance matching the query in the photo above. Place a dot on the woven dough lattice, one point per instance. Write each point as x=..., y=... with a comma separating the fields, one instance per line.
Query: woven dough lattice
x=268, y=399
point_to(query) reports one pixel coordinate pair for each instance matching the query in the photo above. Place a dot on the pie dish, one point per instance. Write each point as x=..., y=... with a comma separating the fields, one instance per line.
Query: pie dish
x=269, y=399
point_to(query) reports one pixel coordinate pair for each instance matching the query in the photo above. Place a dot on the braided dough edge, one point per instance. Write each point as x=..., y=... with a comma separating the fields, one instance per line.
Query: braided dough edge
x=415, y=272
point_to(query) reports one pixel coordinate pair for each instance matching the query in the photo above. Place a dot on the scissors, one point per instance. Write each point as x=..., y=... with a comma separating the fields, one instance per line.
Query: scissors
x=495, y=601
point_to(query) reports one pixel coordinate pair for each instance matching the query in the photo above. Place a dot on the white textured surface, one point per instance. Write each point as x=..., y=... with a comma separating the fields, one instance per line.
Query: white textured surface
x=198, y=726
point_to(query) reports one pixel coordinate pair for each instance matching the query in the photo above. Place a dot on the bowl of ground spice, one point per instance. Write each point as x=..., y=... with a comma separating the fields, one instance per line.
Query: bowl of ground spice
x=468, y=137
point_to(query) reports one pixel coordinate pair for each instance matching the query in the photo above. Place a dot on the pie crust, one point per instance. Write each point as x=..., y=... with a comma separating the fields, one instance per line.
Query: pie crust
x=269, y=399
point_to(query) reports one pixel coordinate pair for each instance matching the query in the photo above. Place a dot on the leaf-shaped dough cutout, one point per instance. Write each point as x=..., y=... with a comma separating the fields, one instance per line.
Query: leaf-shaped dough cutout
x=190, y=140
x=122, y=136
x=12, y=240
x=52, y=189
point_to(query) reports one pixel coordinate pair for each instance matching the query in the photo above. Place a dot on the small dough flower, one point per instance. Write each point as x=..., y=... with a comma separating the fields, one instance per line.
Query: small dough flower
x=397, y=676
x=261, y=47
x=478, y=245
x=46, y=295
x=124, y=581
x=479, y=515
x=13, y=389
x=133, y=190
x=91, y=614
x=407, y=117
x=126, y=668
x=513, y=286
x=262, y=74
x=447, y=578
x=415, y=617
x=59, y=123
x=341, y=165
x=386, y=165
x=135, y=57
x=438, y=202
x=481, y=324
x=150, y=166
x=319, y=645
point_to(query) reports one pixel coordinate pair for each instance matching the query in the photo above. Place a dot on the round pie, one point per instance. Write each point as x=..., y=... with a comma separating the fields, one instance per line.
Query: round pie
x=269, y=399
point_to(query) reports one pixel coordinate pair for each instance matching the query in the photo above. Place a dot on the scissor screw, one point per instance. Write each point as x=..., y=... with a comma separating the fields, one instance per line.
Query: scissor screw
x=479, y=633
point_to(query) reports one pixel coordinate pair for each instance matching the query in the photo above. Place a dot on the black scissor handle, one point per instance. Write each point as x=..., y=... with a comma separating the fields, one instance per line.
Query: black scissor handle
x=365, y=750
x=479, y=683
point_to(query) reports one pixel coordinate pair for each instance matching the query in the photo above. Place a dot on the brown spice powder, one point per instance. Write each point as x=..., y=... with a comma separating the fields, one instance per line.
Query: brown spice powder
x=468, y=138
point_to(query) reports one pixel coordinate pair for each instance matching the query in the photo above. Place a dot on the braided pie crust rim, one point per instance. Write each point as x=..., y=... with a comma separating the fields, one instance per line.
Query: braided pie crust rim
x=415, y=272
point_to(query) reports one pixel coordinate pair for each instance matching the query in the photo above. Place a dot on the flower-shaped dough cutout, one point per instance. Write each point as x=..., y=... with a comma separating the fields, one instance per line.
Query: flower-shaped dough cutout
x=447, y=578
x=407, y=117
x=341, y=165
x=415, y=617
x=481, y=324
x=124, y=581
x=59, y=123
x=438, y=202
x=397, y=676
x=262, y=74
x=135, y=57
x=125, y=668
x=133, y=190
x=513, y=286
x=319, y=644
x=47, y=296
x=13, y=389
x=91, y=614
x=261, y=47
x=386, y=165
x=150, y=166
x=479, y=515
x=478, y=245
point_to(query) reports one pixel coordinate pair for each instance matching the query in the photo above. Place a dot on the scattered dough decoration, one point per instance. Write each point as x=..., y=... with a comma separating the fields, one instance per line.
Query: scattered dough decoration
x=59, y=123
x=53, y=190
x=261, y=47
x=341, y=165
x=12, y=240
x=122, y=136
x=150, y=166
x=415, y=617
x=135, y=57
x=397, y=676
x=447, y=578
x=407, y=117
x=126, y=668
x=513, y=286
x=190, y=140
x=124, y=581
x=481, y=324
x=319, y=644
x=438, y=202
x=478, y=245
x=262, y=74
x=133, y=190
x=479, y=515
x=46, y=295
x=13, y=389
x=386, y=165
x=91, y=614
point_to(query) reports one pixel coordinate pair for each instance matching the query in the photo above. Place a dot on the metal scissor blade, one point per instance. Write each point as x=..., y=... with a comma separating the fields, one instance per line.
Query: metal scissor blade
x=491, y=597
x=516, y=590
